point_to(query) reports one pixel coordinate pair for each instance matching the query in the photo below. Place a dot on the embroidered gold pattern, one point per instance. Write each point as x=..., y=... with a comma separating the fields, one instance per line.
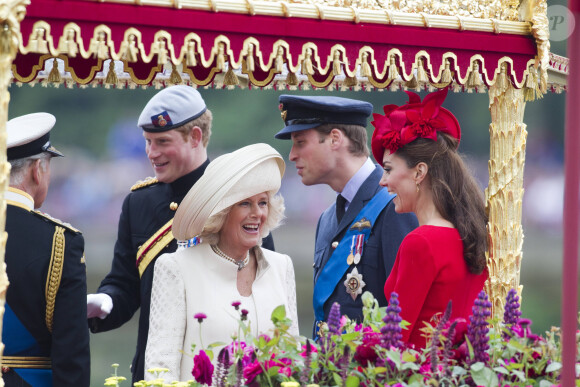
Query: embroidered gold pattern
x=54, y=274
x=144, y=183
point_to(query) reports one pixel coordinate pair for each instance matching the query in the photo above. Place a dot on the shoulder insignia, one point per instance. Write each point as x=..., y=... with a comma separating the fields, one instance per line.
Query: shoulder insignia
x=144, y=183
x=57, y=221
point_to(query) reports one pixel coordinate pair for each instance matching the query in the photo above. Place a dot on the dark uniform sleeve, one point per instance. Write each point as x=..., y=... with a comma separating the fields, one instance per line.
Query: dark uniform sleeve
x=70, y=337
x=123, y=281
x=268, y=242
x=394, y=229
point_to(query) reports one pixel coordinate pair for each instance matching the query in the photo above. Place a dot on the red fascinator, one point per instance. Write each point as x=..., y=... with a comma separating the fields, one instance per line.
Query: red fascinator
x=402, y=124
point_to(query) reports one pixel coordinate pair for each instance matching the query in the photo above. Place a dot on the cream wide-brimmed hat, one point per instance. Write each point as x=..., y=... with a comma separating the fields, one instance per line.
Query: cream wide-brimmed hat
x=227, y=180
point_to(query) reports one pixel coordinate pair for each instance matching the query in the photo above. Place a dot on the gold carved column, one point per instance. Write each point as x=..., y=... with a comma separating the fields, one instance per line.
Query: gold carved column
x=505, y=191
x=11, y=14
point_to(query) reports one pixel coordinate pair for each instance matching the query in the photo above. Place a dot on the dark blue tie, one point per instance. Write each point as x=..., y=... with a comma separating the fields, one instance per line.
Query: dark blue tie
x=340, y=207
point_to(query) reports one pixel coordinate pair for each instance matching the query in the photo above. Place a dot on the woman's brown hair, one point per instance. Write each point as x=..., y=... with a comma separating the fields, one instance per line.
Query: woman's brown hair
x=456, y=194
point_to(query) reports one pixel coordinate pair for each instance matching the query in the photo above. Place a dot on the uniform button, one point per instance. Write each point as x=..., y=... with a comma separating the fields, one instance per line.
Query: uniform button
x=173, y=206
x=334, y=244
x=313, y=265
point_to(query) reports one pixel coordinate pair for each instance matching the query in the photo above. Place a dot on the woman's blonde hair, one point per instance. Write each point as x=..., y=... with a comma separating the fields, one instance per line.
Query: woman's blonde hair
x=214, y=224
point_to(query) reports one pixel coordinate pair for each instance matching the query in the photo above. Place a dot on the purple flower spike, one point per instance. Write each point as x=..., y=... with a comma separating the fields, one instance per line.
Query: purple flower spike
x=478, y=329
x=199, y=317
x=391, y=331
x=334, y=319
x=511, y=313
x=244, y=314
x=236, y=304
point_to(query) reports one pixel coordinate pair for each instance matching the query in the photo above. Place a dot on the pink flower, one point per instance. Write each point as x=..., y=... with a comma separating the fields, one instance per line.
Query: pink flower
x=254, y=369
x=202, y=368
x=312, y=350
x=246, y=350
x=522, y=329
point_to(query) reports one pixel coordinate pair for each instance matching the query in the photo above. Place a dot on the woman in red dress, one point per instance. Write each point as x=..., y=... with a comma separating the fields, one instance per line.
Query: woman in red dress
x=444, y=258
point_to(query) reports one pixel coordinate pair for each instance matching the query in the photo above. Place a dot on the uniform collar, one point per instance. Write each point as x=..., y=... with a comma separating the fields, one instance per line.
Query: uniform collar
x=182, y=185
x=19, y=198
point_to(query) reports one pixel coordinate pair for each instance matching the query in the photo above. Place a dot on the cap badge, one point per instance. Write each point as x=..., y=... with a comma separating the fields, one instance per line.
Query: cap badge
x=162, y=119
x=283, y=112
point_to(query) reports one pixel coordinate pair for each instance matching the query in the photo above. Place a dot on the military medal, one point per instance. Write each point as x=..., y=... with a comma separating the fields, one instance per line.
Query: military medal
x=360, y=238
x=354, y=283
x=350, y=258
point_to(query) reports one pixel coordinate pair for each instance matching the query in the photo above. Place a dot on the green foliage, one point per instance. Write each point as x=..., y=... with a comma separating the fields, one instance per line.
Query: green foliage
x=357, y=357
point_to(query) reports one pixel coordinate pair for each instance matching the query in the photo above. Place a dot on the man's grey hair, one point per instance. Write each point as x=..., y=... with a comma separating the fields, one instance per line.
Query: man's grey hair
x=19, y=167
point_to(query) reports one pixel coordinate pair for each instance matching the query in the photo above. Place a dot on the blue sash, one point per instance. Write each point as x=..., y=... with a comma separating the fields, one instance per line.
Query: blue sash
x=336, y=266
x=19, y=342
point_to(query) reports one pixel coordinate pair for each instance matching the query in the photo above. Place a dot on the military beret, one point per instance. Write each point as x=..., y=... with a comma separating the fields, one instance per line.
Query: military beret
x=171, y=108
x=29, y=135
x=303, y=112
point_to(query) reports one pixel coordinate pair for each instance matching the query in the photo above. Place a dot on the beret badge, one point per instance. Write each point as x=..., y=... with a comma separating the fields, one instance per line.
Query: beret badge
x=162, y=119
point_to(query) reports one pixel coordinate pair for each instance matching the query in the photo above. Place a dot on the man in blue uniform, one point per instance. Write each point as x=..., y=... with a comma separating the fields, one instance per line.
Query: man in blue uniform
x=44, y=331
x=357, y=238
x=177, y=127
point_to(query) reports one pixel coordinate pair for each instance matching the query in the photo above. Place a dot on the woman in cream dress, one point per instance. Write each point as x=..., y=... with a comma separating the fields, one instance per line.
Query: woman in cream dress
x=219, y=225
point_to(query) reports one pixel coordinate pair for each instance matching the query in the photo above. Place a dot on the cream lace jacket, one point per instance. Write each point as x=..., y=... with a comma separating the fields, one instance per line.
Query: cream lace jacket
x=196, y=280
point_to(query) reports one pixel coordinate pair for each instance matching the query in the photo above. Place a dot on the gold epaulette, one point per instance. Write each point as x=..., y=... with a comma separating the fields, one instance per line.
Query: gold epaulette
x=57, y=221
x=144, y=183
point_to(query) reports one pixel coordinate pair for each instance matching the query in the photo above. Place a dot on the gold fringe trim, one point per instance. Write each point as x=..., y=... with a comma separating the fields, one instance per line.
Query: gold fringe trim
x=175, y=78
x=111, y=75
x=447, y=76
x=502, y=80
x=54, y=274
x=421, y=73
x=278, y=61
x=230, y=79
x=532, y=86
x=292, y=79
x=307, y=66
x=473, y=80
x=350, y=82
x=54, y=75
x=336, y=64
x=393, y=71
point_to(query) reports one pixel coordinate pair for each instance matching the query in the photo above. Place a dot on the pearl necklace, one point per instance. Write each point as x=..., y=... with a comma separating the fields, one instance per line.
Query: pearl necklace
x=241, y=263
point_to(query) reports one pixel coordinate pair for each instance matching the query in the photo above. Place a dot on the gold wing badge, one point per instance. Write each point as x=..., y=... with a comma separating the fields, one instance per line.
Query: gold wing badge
x=361, y=224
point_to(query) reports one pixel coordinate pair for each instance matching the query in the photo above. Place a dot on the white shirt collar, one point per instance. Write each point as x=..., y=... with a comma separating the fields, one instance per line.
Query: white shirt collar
x=355, y=182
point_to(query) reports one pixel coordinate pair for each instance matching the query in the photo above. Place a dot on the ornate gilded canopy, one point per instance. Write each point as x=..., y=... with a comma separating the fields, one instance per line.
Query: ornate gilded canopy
x=377, y=44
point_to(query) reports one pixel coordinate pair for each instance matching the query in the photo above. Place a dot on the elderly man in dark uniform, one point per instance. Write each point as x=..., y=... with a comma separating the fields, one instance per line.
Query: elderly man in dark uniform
x=358, y=237
x=177, y=126
x=44, y=329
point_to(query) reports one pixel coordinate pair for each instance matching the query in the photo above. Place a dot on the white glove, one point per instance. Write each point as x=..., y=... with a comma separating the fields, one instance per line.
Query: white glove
x=99, y=305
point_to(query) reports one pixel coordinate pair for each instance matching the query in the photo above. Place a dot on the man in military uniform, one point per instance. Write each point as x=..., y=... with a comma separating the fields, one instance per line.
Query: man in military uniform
x=47, y=342
x=177, y=127
x=357, y=238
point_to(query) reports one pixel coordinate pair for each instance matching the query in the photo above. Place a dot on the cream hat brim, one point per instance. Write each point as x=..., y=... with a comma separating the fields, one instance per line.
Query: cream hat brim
x=227, y=180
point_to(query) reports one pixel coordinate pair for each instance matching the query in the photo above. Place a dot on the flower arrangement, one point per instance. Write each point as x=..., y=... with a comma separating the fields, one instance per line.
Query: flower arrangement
x=481, y=352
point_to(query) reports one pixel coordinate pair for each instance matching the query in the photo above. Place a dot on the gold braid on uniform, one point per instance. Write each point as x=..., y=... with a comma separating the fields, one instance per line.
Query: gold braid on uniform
x=54, y=274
